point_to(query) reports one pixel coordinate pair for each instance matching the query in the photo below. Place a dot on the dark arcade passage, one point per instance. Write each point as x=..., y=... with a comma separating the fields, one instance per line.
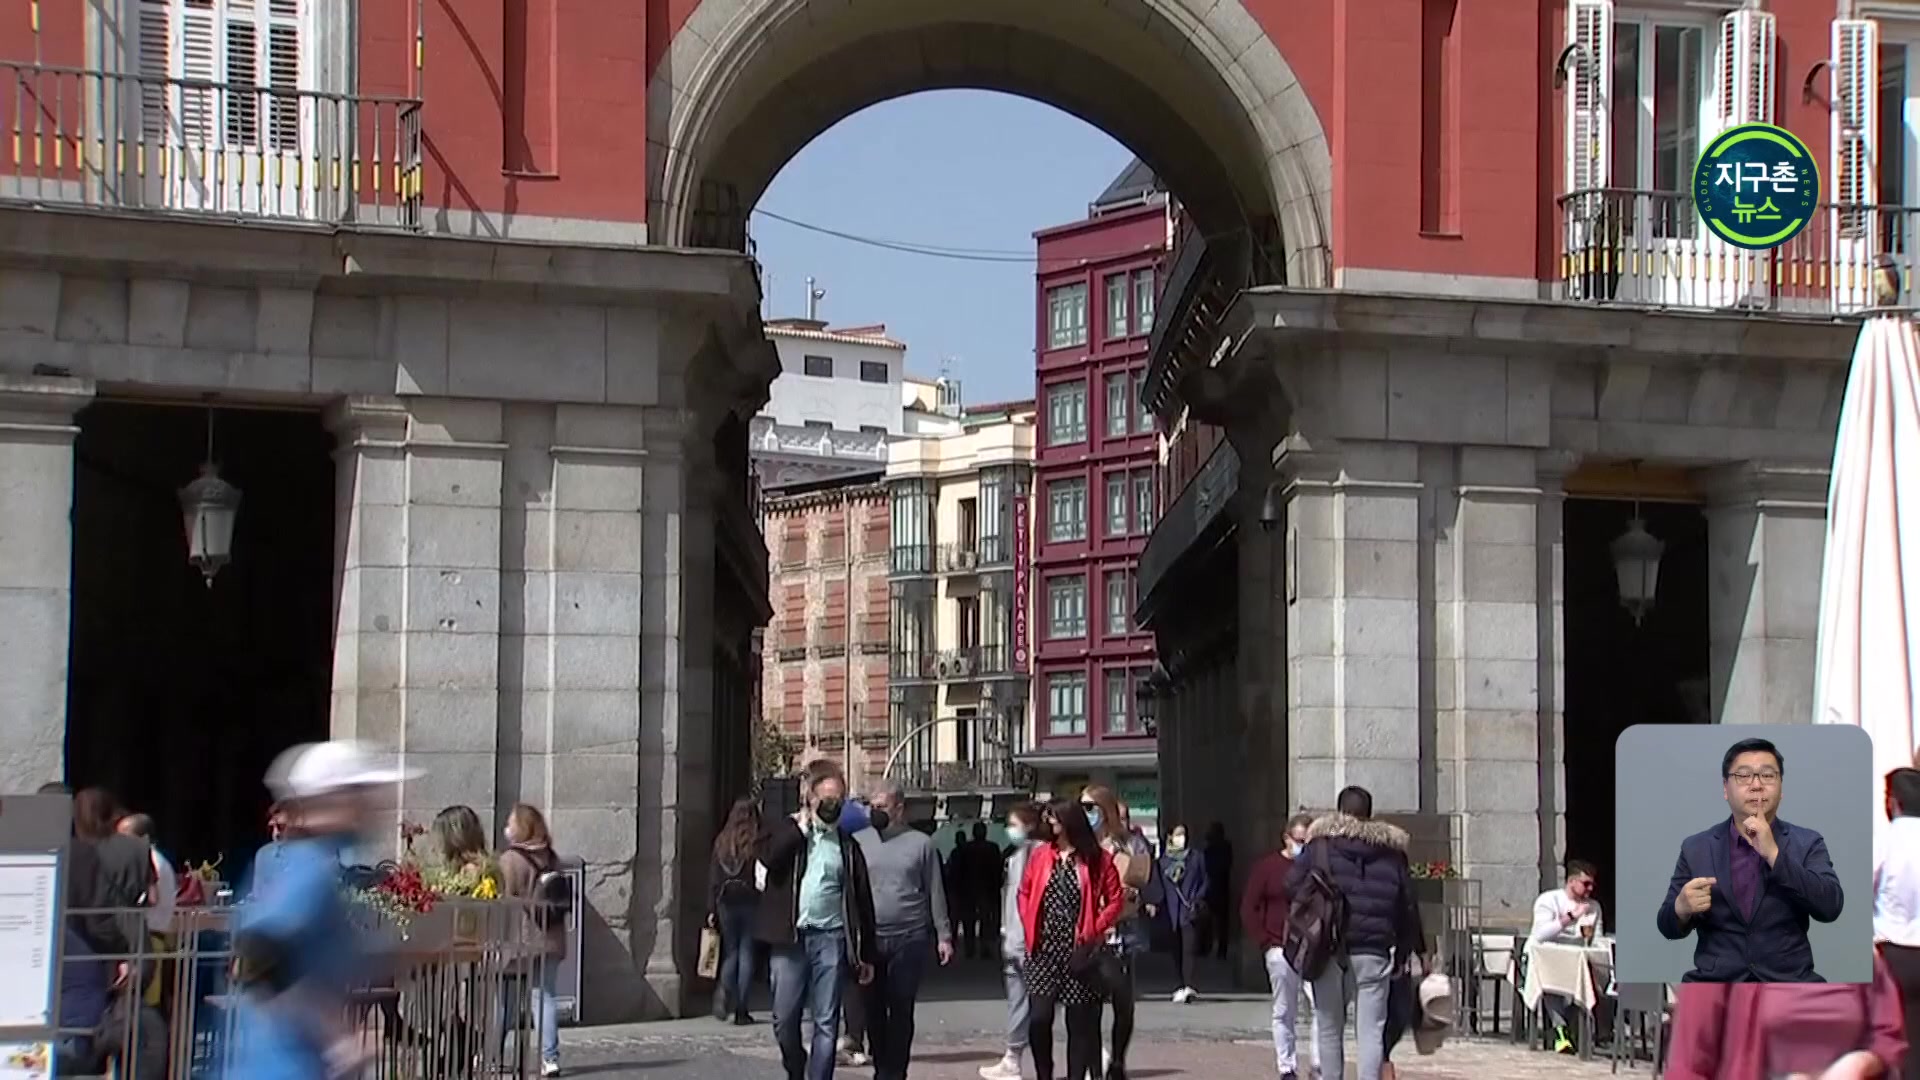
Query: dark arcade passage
x=1619, y=674
x=180, y=695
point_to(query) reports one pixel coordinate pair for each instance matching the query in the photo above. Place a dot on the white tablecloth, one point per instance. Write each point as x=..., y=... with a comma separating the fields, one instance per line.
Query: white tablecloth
x=1578, y=972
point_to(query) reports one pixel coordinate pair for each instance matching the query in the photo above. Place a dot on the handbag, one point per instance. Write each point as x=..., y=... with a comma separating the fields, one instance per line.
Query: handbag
x=709, y=953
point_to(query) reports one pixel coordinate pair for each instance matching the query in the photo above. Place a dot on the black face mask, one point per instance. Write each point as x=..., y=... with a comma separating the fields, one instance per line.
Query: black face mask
x=827, y=810
x=882, y=820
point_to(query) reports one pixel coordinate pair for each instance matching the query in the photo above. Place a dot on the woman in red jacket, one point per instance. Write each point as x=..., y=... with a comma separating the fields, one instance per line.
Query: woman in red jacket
x=1756, y=1031
x=1069, y=898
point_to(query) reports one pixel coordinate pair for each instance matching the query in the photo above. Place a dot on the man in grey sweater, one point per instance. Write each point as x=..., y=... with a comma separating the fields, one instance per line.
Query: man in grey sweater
x=910, y=915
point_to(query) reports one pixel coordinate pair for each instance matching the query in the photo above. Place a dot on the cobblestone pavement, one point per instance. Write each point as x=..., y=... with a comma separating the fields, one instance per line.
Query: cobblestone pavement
x=962, y=1025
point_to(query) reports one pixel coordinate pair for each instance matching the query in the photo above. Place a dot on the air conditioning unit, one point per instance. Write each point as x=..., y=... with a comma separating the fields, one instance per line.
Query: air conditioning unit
x=943, y=667
x=962, y=666
x=965, y=558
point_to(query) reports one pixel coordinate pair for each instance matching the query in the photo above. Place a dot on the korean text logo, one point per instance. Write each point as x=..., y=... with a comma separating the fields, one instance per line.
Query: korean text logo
x=1756, y=186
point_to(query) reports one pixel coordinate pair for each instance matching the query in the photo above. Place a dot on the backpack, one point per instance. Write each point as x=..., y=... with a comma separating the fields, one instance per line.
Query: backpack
x=552, y=891
x=1316, y=920
x=738, y=887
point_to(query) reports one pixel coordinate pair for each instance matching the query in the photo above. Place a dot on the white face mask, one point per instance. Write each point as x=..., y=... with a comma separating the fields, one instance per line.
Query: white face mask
x=1294, y=846
x=1017, y=833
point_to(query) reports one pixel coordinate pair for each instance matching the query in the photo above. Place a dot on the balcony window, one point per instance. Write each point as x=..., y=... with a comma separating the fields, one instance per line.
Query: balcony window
x=1142, y=419
x=820, y=367
x=1119, y=693
x=912, y=527
x=1661, y=101
x=873, y=371
x=1143, y=500
x=1067, y=510
x=1119, y=609
x=1116, y=307
x=1116, y=504
x=1067, y=315
x=1067, y=703
x=994, y=511
x=1066, y=413
x=1143, y=287
x=206, y=43
x=1117, y=410
x=1067, y=606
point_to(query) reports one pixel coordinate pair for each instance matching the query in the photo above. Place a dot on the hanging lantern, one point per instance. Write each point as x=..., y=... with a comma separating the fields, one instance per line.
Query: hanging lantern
x=209, y=507
x=1636, y=563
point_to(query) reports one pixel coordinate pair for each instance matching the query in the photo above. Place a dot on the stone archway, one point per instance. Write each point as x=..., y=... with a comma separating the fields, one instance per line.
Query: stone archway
x=1194, y=87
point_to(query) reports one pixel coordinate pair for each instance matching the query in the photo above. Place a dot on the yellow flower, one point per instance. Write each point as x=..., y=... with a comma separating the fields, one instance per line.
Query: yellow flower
x=486, y=890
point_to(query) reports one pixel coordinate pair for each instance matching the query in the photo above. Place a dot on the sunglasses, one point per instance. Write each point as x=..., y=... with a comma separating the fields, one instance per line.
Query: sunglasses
x=1089, y=806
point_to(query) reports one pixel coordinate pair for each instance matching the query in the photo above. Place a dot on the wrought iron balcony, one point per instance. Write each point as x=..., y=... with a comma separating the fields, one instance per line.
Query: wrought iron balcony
x=126, y=141
x=965, y=777
x=1651, y=248
x=913, y=558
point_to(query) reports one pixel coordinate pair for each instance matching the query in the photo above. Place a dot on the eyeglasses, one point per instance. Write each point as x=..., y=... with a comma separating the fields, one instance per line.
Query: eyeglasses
x=1089, y=806
x=1767, y=777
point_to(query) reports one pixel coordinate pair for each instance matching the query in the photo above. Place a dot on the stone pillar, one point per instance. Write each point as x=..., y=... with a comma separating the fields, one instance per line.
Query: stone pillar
x=1766, y=529
x=36, y=573
x=1353, y=607
x=1496, y=594
x=417, y=569
x=569, y=723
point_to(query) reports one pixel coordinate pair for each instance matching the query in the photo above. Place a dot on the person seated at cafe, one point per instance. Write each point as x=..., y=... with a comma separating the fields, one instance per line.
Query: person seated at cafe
x=1566, y=914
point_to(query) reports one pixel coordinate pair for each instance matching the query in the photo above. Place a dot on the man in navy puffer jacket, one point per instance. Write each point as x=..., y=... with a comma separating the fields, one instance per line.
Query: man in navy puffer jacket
x=1368, y=862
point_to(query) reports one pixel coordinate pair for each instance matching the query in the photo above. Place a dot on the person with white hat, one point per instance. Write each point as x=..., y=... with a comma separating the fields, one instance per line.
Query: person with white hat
x=295, y=947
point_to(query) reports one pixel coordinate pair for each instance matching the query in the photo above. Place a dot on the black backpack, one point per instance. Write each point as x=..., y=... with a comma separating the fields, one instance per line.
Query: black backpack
x=1316, y=920
x=737, y=886
x=552, y=890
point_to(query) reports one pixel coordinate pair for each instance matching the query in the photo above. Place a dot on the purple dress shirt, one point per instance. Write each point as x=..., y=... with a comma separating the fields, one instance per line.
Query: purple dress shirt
x=1747, y=864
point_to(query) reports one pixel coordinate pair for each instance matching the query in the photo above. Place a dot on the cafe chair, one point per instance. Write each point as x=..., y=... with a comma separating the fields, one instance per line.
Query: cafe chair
x=1487, y=983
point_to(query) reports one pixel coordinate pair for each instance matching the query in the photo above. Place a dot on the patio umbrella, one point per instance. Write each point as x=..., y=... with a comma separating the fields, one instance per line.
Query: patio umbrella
x=1868, y=671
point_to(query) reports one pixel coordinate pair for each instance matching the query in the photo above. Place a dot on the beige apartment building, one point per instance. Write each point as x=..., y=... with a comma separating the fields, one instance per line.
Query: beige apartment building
x=961, y=645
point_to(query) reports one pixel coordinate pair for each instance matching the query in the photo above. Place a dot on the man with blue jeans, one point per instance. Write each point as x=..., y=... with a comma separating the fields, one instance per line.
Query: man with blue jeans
x=816, y=917
x=1367, y=861
x=910, y=917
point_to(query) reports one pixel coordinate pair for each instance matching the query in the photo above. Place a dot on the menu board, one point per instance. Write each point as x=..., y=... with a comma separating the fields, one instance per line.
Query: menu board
x=29, y=929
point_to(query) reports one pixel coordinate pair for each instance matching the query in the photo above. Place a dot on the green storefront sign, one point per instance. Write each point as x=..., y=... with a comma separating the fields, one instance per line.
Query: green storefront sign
x=1142, y=796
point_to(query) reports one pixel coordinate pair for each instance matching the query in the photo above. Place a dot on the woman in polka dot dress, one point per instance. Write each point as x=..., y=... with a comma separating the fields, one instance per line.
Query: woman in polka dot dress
x=1069, y=898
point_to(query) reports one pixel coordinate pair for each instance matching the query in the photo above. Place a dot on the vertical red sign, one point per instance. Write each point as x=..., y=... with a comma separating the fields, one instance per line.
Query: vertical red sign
x=1020, y=654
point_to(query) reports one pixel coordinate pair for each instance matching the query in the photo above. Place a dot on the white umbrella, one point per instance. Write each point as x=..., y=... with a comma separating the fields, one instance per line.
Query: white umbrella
x=1868, y=672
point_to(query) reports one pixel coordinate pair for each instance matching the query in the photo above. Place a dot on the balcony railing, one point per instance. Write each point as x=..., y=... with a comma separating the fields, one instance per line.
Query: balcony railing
x=127, y=141
x=1651, y=248
x=913, y=665
x=1000, y=773
x=913, y=558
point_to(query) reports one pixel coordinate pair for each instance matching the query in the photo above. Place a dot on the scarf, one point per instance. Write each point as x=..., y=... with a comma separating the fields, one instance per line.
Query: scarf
x=1176, y=867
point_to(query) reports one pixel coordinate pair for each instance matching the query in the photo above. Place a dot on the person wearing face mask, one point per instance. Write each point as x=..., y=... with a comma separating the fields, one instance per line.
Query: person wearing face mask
x=816, y=918
x=1186, y=876
x=1026, y=828
x=910, y=921
x=1132, y=859
x=1263, y=912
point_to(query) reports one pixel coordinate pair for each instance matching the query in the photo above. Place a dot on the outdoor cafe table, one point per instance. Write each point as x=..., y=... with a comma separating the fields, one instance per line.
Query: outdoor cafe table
x=1580, y=973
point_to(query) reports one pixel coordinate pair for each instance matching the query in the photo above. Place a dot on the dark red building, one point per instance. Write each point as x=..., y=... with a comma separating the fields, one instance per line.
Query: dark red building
x=1094, y=498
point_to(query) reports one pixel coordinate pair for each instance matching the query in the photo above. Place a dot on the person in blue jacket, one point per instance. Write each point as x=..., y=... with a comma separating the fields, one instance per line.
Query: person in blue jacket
x=1185, y=874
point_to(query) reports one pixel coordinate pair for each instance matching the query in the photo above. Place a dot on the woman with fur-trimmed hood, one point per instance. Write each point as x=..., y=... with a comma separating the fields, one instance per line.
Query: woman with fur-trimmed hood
x=1367, y=860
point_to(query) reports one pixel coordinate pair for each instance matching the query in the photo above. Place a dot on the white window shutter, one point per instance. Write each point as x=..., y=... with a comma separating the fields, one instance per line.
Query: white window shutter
x=1746, y=69
x=196, y=41
x=1589, y=92
x=1856, y=85
x=155, y=45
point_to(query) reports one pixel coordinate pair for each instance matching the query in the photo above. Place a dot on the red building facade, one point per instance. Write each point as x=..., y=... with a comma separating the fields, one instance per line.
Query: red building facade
x=1094, y=490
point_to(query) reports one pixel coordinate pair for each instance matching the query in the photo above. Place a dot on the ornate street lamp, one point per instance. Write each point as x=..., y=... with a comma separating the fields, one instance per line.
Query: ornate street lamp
x=1146, y=696
x=208, y=508
x=1636, y=564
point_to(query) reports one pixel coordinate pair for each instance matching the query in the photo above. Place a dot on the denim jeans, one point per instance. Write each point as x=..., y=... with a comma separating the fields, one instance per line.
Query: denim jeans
x=737, y=955
x=1285, y=984
x=900, y=965
x=1366, y=974
x=807, y=974
x=544, y=1005
x=1012, y=971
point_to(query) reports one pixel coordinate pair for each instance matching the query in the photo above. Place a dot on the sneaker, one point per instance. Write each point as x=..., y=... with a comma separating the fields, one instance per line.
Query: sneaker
x=1007, y=1068
x=1562, y=1042
x=549, y=1068
x=742, y=1019
x=858, y=1059
x=1192, y=995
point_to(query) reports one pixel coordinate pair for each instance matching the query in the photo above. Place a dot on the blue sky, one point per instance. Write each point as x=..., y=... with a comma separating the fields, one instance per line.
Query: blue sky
x=948, y=168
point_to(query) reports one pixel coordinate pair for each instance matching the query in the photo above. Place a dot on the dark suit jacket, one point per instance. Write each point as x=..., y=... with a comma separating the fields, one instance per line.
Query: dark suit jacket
x=782, y=848
x=1772, y=945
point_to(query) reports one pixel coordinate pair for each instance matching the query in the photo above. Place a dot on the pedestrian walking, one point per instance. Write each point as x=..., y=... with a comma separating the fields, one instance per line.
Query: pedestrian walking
x=1132, y=858
x=528, y=869
x=1365, y=862
x=816, y=917
x=1069, y=900
x=1025, y=830
x=733, y=895
x=1263, y=915
x=910, y=923
x=1185, y=874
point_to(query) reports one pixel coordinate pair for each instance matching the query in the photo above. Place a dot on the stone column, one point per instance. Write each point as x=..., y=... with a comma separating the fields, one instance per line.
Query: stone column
x=36, y=573
x=1495, y=662
x=569, y=731
x=1766, y=530
x=1353, y=606
x=417, y=568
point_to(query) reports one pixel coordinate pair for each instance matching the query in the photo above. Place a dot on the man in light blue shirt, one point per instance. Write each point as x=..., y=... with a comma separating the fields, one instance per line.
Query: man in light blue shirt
x=816, y=917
